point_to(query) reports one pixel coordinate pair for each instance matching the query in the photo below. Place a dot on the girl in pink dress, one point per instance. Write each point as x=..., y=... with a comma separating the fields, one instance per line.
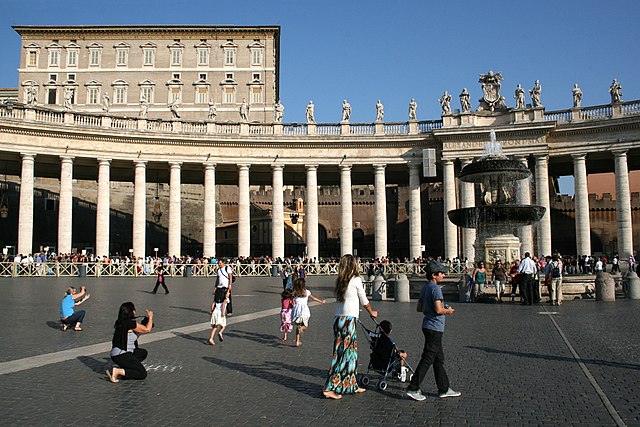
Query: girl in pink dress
x=285, y=313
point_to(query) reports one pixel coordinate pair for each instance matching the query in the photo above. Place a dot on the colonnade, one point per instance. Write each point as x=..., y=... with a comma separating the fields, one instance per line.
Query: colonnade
x=138, y=244
x=454, y=190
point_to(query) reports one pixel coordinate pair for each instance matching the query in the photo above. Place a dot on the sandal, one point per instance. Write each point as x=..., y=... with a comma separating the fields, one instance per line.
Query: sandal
x=77, y=328
x=220, y=337
x=111, y=378
x=64, y=327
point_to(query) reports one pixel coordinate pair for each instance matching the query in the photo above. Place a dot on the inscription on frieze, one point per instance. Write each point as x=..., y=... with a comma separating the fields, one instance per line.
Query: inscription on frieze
x=470, y=145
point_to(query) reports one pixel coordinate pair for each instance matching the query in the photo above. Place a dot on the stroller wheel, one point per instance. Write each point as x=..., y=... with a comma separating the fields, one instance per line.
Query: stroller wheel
x=364, y=380
x=382, y=385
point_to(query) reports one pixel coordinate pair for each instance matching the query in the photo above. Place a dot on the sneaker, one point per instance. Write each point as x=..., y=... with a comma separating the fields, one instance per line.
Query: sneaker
x=416, y=395
x=450, y=393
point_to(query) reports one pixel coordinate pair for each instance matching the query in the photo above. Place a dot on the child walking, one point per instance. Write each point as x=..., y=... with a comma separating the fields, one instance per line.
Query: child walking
x=285, y=313
x=301, y=313
x=218, y=310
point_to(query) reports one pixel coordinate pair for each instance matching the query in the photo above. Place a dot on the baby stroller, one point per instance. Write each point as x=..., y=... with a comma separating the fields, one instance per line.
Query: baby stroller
x=385, y=358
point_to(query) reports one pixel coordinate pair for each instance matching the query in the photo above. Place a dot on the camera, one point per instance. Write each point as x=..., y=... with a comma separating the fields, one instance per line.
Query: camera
x=447, y=306
x=145, y=320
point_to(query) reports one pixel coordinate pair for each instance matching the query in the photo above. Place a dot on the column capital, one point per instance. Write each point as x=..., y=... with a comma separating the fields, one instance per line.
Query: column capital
x=140, y=163
x=244, y=166
x=541, y=157
x=103, y=162
x=379, y=167
x=67, y=159
x=619, y=153
x=209, y=166
x=345, y=167
x=521, y=157
x=175, y=165
x=465, y=161
x=28, y=156
x=579, y=157
x=277, y=167
x=311, y=167
x=413, y=166
x=447, y=161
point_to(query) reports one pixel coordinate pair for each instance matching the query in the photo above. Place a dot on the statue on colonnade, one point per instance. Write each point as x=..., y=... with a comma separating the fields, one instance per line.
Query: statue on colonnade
x=413, y=106
x=32, y=94
x=465, y=105
x=577, y=96
x=278, y=111
x=346, y=111
x=535, y=94
x=445, y=103
x=491, y=99
x=310, y=113
x=519, y=96
x=379, y=111
x=616, y=91
x=213, y=112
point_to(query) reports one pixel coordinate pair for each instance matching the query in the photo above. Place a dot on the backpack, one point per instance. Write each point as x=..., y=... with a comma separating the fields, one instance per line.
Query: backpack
x=555, y=271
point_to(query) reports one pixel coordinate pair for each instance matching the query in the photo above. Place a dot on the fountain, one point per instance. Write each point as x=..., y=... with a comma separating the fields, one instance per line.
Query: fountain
x=496, y=214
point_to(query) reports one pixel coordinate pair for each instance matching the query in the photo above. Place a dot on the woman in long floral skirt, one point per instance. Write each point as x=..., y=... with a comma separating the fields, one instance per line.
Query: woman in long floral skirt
x=349, y=292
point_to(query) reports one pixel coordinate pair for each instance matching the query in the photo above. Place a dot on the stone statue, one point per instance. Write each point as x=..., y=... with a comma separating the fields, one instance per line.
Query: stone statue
x=68, y=98
x=519, y=97
x=244, y=110
x=413, y=106
x=310, y=113
x=491, y=99
x=32, y=94
x=106, y=103
x=213, y=112
x=278, y=111
x=616, y=91
x=465, y=105
x=577, y=96
x=144, y=108
x=535, y=94
x=445, y=103
x=346, y=111
x=379, y=111
x=173, y=107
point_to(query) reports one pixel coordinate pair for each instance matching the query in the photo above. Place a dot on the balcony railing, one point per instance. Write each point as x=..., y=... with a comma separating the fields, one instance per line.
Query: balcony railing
x=84, y=119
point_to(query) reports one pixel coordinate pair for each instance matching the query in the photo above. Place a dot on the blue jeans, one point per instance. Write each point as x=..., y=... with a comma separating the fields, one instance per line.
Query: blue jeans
x=76, y=317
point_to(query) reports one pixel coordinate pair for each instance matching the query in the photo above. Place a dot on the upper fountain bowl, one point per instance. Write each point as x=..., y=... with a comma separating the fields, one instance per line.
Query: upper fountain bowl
x=507, y=169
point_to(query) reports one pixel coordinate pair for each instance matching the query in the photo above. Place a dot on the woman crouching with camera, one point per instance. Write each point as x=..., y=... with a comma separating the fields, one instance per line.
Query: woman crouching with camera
x=125, y=351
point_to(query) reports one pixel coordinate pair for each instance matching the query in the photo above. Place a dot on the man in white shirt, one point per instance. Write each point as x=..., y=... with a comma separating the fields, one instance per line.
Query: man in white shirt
x=528, y=269
x=225, y=280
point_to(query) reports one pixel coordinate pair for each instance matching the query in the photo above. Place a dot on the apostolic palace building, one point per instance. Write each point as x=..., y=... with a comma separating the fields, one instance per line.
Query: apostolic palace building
x=172, y=139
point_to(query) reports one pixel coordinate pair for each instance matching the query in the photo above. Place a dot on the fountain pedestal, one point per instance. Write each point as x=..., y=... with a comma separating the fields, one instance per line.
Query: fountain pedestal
x=503, y=247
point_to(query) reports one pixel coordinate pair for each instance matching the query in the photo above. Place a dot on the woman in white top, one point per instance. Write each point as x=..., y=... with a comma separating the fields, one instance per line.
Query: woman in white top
x=349, y=292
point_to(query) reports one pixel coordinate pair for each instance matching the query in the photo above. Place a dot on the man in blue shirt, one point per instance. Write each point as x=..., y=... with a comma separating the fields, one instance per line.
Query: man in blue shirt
x=431, y=304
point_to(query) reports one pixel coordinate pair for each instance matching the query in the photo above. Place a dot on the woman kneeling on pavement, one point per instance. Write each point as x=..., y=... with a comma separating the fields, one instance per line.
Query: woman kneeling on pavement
x=125, y=351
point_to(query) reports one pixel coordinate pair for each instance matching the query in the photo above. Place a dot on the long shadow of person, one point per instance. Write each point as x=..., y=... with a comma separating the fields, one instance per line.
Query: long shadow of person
x=54, y=325
x=266, y=339
x=96, y=365
x=192, y=338
x=268, y=372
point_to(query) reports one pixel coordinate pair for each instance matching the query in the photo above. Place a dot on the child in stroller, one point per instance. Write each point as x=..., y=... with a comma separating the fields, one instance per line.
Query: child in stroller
x=386, y=359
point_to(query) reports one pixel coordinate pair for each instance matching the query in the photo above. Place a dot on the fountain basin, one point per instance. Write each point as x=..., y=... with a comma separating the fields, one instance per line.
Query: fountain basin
x=496, y=216
x=507, y=169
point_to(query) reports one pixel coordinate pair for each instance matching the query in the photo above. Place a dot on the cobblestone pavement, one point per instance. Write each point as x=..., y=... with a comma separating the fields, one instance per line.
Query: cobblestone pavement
x=514, y=365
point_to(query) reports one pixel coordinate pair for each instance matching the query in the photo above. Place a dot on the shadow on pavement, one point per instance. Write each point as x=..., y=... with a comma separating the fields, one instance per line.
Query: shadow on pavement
x=267, y=339
x=192, y=338
x=197, y=310
x=274, y=375
x=559, y=358
x=54, y=325
x=96, y=365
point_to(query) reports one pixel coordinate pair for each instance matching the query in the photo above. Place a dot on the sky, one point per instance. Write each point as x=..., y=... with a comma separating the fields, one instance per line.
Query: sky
x=392, y=50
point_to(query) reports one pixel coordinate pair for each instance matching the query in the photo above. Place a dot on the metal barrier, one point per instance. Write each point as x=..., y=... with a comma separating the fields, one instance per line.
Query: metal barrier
x=101, y=269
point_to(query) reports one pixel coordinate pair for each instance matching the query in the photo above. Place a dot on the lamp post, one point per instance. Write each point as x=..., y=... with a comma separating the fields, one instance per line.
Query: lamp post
x=156, y=251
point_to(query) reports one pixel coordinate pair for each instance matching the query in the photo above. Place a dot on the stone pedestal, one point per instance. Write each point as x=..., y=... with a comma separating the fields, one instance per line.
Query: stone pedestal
x=378, y=292
x=633, y=286
x=401, y=288
x=505, y=247
x=605, y=287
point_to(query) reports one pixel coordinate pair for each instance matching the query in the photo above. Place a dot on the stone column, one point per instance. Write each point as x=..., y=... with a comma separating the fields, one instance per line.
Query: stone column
x=175, y=209
x=25, y=213
x=381, y=211
x=415, y=215
x=623, y=206
x=449, y=202
x=277, y=213
x=468, y=200
x=542, y=198
x=140, y=208
x=244, y=211
x=583, y=224
x=312, y=212
x=209, y=231
x=65, y=205
x=102, y=208
x=346, y=213
x=523, y=197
